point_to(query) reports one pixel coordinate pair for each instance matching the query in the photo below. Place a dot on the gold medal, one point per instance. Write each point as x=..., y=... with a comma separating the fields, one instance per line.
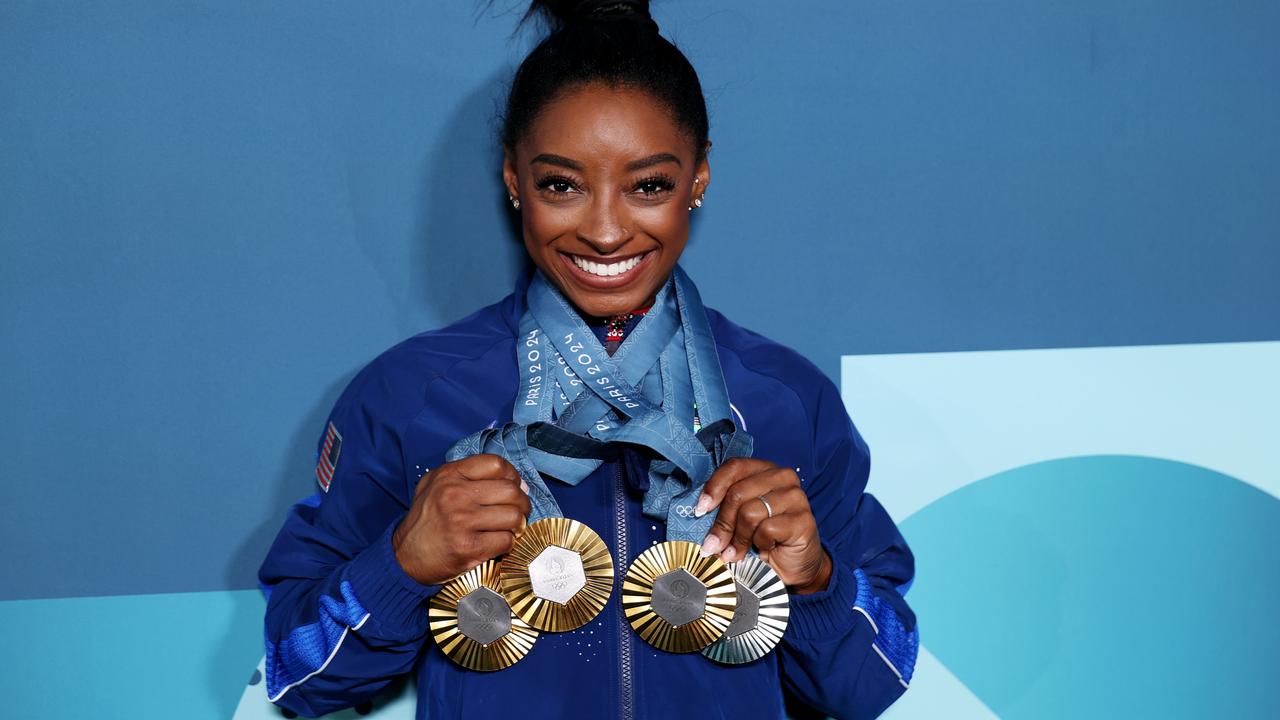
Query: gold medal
x=558, y=576
x=473, y=624
x=677, y=600
x=760, y=618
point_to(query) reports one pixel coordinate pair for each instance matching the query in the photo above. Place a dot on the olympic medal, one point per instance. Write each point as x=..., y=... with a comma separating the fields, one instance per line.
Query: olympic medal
x=558, y=576
x=760, y=617
x=677, y=600
x=473, y=624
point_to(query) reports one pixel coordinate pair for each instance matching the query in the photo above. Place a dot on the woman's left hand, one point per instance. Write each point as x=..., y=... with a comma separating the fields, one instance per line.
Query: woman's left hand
x=786, y=538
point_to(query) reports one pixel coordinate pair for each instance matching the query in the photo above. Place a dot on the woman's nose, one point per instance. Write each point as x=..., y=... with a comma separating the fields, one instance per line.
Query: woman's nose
x=605, y=225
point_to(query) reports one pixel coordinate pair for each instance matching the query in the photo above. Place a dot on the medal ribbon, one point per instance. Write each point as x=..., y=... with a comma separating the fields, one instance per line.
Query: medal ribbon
x=575, y=400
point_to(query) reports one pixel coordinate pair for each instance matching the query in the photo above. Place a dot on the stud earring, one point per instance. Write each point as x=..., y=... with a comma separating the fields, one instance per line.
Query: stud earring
x=515, y=202
x=697, y=202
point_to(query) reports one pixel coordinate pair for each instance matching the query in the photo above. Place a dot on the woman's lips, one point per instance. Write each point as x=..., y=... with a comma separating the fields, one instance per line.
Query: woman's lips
x=606, y=273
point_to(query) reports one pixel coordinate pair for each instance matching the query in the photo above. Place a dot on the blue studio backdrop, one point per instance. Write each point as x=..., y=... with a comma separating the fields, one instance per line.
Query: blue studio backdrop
x=212, y=214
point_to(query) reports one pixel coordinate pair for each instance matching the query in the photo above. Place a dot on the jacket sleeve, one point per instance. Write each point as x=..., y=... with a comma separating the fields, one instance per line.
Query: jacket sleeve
x=850, y=650
x=343, y=619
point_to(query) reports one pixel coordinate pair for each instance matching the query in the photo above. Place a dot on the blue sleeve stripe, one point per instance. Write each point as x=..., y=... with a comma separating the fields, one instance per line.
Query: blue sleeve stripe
x=893, y=643
x=310, y=648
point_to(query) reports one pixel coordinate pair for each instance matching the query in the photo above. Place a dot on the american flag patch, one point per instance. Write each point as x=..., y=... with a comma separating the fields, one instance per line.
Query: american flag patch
x=328, y=457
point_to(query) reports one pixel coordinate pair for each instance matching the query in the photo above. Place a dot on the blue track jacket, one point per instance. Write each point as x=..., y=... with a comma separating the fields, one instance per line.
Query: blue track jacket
x=343, y=620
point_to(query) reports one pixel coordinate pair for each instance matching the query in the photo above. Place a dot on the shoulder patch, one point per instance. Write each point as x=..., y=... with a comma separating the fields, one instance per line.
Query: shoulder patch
x=328, y=462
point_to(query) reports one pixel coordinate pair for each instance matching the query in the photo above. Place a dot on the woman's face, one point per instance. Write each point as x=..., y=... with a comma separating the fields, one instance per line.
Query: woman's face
x=605, y=178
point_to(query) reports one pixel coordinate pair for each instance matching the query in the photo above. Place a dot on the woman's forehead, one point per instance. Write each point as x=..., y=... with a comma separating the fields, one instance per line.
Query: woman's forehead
x=602, y=124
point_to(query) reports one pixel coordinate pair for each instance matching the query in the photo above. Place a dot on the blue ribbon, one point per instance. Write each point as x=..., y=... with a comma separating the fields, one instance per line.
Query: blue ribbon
x=576, y=402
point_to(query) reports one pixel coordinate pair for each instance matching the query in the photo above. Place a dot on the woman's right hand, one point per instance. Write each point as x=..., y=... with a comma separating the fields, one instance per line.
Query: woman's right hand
x=464, y=512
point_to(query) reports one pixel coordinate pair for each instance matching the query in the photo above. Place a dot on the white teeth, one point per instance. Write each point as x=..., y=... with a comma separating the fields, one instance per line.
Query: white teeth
x=604, y=270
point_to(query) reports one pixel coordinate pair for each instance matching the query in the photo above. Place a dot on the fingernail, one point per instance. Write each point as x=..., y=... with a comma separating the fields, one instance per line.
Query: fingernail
x=704, y=504
x=524, y=487
x=710, y=546
x=728, y=555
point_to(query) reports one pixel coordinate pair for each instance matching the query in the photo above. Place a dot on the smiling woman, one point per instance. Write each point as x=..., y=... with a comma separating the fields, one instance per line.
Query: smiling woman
x=606, y=179
x=589, y=481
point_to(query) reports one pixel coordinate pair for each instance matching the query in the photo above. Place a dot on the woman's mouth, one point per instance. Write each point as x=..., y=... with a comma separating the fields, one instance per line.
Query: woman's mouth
x=605, y=272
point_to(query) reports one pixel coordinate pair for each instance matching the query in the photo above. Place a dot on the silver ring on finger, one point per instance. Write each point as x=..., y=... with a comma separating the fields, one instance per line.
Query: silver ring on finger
x=767, y=507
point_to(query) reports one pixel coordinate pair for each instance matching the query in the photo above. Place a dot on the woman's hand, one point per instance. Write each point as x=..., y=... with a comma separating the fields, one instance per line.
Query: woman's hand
x=463, y=513
x=788, y=540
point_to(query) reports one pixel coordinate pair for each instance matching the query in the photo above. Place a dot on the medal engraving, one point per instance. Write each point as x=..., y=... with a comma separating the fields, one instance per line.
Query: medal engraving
x=677, y=600
x=678, y=597
x=746, y=614
x=484, y=616
x=556, y=574
x=472, y=622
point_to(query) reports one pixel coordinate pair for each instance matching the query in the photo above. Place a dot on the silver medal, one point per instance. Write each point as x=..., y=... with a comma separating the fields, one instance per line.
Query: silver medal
x=759, y=618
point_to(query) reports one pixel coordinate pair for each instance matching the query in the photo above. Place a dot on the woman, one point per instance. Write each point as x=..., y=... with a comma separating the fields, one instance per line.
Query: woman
x=605, y=143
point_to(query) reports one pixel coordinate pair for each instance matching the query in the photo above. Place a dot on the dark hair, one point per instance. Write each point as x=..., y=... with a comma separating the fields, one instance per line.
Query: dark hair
x=612, y=42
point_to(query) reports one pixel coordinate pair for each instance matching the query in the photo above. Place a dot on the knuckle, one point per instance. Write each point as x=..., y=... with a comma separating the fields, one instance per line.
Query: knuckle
x=746, y=522
x=451, y=496
x=798, y=497
x=512, y=517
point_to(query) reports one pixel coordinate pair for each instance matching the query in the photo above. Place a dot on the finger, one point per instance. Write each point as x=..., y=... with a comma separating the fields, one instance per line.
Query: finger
x=775, y=531
x=725, y=477
x=782, y=487
x=750, y=515
x=486, y=466
x=494, y=492
x=792, y=499
x=781, y=498
x=489, y=545
x=492, y=518
x=455, y=498
x=723, y=529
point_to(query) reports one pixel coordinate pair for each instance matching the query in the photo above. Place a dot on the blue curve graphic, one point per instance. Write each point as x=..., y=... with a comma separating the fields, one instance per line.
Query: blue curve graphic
x=1104, y=586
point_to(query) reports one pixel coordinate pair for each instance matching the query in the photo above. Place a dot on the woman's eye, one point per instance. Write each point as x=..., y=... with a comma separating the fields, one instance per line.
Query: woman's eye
x=654, y=186
x=557, y=185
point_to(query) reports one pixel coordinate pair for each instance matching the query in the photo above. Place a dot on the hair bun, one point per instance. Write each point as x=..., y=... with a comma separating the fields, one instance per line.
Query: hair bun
x=561, y=13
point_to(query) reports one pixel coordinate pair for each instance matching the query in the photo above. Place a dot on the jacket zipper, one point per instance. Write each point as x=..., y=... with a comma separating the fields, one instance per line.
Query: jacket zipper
x=627, y=704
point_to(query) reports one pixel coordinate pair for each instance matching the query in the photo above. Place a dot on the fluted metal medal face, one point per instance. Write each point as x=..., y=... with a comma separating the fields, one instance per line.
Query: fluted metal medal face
x=760, y=617
x=558, y=576
x=473, y=624
x=676, y=600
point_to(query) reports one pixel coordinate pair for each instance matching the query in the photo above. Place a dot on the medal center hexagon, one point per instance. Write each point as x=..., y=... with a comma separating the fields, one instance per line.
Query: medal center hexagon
x=484, y=615
x=556, y=574
x=746, y=614
x=679, y=597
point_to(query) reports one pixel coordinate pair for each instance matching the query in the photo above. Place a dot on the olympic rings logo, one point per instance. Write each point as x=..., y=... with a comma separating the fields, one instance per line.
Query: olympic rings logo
x=684, y=511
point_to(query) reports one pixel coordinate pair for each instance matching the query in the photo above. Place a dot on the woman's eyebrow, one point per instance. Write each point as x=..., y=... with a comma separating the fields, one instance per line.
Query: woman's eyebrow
x=652, y=160
x=557, y=160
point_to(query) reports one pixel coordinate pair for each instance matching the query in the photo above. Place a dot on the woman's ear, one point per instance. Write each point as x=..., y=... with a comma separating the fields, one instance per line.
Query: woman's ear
x=702, y=174
x=509, y=178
